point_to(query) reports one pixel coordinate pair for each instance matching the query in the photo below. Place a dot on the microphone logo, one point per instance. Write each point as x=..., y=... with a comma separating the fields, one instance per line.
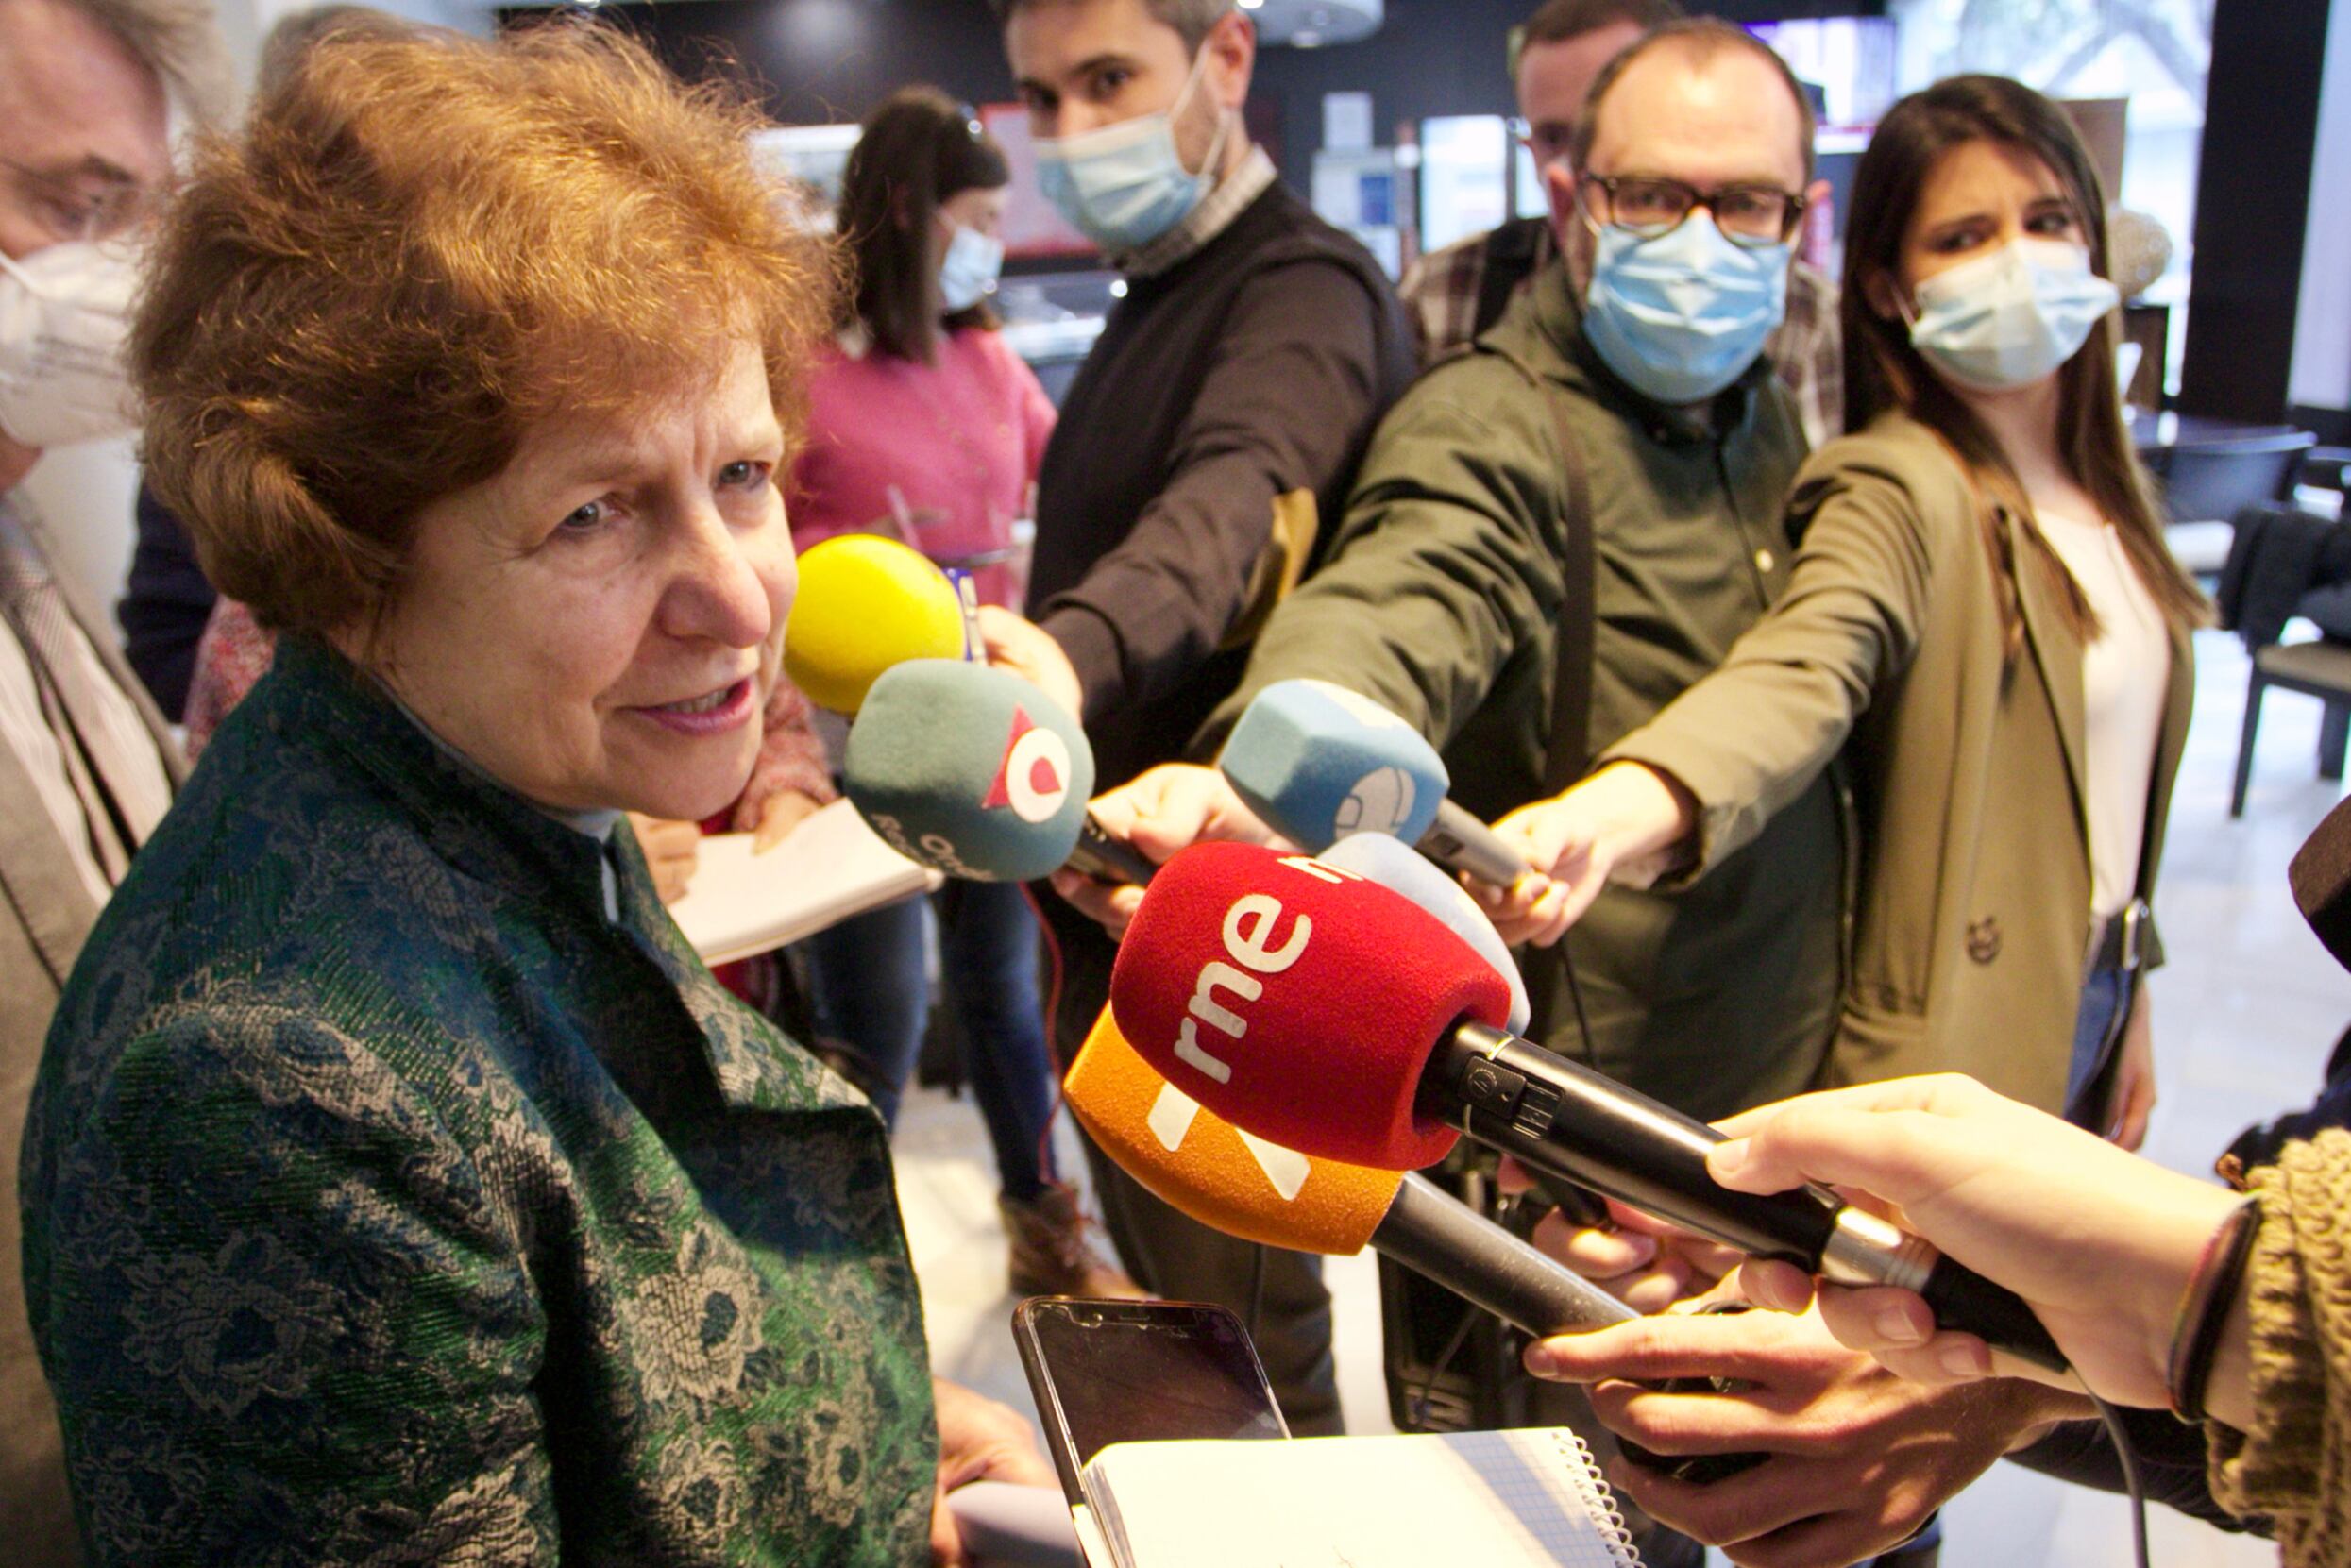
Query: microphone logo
x=1033, y=780
x=1382, y=801
x=1173, y=1113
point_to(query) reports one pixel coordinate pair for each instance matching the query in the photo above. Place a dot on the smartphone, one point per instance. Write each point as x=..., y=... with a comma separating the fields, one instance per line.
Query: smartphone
x=1107, y=1371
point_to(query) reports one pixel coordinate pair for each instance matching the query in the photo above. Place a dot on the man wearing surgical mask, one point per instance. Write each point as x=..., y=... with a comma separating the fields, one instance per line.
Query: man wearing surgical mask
x=1250, y=352
x=87, y=767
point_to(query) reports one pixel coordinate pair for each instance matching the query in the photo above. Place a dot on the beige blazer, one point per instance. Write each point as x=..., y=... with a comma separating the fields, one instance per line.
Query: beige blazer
x=45, y=916
x=1971, y=920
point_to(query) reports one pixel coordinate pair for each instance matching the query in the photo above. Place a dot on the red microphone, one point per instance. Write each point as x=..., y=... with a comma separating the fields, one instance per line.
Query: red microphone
x=1326, y=1014
x=1253, y=975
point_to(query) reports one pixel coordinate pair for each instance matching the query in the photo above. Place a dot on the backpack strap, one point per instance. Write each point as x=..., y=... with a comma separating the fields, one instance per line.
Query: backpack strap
x=1506, y=260
x=1568, y=747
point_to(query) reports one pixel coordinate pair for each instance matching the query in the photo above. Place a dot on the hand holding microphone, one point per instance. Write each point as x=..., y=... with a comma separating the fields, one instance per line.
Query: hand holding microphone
x=866, y=604
x=1326, y=1014
x=1648, y=1263
x=925, y=779
x=1310, y=764
x=1621, y=824
x=1017, y=644
x=1156, y=813
x=2100, y=1243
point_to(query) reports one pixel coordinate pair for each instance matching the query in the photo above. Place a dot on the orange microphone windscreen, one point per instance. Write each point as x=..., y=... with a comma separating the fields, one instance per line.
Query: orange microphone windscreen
x=1197, y=1162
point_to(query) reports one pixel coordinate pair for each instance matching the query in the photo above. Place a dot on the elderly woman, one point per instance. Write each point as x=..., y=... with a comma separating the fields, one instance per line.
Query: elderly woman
x=398, y=1185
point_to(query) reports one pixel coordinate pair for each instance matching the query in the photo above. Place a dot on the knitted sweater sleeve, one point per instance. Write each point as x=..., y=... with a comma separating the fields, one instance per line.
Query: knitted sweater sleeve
x=2294, y=1464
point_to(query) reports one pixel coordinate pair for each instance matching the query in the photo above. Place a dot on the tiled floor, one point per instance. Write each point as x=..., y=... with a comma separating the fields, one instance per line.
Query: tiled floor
x=2244, y=1016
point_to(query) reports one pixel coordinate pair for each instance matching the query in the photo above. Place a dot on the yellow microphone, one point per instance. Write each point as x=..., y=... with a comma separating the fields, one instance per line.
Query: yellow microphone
x=865, y=605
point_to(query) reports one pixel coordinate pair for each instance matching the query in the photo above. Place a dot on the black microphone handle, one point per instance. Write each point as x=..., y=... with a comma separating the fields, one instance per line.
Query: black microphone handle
x=1961, y=1298
x=1107, y=858
x=1561, y=1117
x=1459, y=842
x=1437, y=1234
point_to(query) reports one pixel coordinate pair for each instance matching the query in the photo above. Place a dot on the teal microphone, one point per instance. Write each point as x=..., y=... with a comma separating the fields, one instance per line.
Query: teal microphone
x=974, y=772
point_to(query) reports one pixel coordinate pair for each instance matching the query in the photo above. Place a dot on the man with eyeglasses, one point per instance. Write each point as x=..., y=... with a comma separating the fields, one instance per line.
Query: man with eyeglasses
x=87, y=91
x=1555, y=533
x=1454, y=294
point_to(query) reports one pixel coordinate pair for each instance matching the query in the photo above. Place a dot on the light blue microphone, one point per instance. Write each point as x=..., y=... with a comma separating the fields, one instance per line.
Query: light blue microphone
x=1319, y=762
x=1403, y=870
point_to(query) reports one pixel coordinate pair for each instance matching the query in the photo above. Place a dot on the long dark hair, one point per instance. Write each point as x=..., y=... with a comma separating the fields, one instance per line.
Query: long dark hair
x=1883, y=371
x=917, y=150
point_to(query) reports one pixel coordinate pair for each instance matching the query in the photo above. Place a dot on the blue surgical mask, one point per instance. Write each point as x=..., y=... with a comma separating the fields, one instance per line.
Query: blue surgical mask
x=967, y=274
x=1682, y=317
x=2009, y=319
x=1123, y=186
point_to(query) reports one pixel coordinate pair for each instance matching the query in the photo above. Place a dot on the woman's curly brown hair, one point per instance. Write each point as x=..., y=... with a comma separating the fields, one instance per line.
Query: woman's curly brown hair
x=417, y=249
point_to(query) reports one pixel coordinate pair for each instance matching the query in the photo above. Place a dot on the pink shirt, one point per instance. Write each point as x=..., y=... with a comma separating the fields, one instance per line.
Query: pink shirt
x=961, y=440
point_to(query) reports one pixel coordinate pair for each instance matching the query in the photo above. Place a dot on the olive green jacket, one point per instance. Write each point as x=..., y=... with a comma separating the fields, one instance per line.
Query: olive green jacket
x=1441, y=598
x=1971, y=925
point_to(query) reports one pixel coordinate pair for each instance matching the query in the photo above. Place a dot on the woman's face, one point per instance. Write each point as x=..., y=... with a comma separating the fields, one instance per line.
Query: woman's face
x=1979, y=196
x=973, y=209
x=598, y=624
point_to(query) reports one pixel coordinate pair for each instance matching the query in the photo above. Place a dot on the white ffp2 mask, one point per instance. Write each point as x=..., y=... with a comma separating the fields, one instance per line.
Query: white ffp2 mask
x=65, y=319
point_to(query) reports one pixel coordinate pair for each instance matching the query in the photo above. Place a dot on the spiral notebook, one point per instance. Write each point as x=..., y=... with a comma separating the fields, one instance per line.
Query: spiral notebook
x=1527, y=1498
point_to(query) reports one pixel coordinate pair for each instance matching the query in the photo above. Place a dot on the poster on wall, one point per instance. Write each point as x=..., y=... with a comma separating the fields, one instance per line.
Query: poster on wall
x=1032, y=229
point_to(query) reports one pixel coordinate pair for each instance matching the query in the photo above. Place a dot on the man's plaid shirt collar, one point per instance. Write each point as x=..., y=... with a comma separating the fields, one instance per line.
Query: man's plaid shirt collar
x=1212, y=217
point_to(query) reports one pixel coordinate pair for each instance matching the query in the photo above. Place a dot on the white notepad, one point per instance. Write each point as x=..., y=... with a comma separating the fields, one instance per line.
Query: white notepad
x=1529, y=1498
x=831, y=867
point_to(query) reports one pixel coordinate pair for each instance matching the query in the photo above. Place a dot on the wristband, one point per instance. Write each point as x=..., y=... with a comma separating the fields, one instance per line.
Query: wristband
x=2204, y=1309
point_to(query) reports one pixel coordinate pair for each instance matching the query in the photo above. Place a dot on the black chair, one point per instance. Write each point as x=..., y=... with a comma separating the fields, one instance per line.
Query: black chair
x=2320, y=669
x=2204, y=484
x=2283, y=562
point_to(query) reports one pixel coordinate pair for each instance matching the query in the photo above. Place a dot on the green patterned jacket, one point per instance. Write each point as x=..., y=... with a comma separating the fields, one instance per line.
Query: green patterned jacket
x=384, y=1203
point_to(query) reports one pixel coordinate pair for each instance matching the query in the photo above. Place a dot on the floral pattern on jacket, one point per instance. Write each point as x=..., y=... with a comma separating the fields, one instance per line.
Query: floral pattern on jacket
x=385, y=1203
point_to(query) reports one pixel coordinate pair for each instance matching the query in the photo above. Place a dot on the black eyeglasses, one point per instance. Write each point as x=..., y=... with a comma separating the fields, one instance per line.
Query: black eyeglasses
x=1754, y=216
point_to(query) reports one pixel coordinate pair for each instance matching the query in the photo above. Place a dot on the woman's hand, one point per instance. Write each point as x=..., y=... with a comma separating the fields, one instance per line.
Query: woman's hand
x=1028, y=650
x=670, y=850
x=2099, y=1243
x=1859, y=1458
x=2134, y=1096
x=1618, y=822
x=779, y=813
x=1168, y=808
x=978, y=1439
